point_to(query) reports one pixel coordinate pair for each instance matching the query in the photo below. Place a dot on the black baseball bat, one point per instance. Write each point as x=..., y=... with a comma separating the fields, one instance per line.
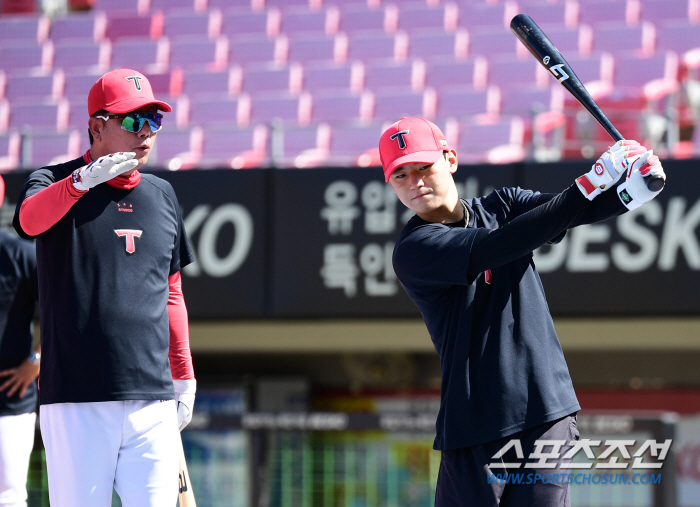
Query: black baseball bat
x=542, y=48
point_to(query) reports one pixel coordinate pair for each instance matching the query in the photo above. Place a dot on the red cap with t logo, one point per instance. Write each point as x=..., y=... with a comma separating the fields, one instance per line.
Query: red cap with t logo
x=122, y=91
x=410, y=140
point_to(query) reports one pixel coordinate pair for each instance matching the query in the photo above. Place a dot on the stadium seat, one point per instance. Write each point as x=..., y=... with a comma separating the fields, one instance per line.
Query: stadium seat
x=185, y=23
x=431, y=44
x=563, y=13
x=421, y=16
x=446, y=72
x=10, y=150
x=326, y=76
x=341, y=106
x=126, y=6
x=392, y=104
x=390, y=74
x=659, y=79
x=48, y=148
x=492, y=15
x=178, y=149
x=78, y=114
x=616, y=39
x=38, y=115
x=300, y=147
x=219, y=110
x=140, y=53
x=257, y=49
x=362, y=18
x=273, y=78
x=276, y=107
x=679, y=36
x=529, y=101
x=235, y=148
x=368, y=46
x=464, y=101
x=197, y=83
x=182, y=5
x=244, y=21
x=166, y=82
x=616, y=11
x=27, y=56
x=84, y=26
x=199, y=51
x=595, y=72
x=120, y=25
x=498, y=141
x=77, y=84
x=300, y=19
x=77, y=54
x=510, y=71
x=353, y=145
x=491, y=41
x=21, y=86
x=24, y=28
x=658, y=11
x=304, y=48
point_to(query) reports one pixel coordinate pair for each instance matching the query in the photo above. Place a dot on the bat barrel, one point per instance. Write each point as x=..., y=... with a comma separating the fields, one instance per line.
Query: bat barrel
x=535, y=40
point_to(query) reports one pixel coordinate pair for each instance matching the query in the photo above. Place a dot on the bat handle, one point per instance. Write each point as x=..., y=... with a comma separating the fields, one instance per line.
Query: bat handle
x=654, y=183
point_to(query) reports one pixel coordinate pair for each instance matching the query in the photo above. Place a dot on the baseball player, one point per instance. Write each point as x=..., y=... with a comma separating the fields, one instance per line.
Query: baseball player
x=19, y=364
x=110, y=246
x=467, y=264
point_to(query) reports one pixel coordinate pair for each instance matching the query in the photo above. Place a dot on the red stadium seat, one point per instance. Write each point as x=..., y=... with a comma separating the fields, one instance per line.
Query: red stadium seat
x=77, y=54
x=235, y=148
x=24, y=28
x=10, y=150
x=84, y=26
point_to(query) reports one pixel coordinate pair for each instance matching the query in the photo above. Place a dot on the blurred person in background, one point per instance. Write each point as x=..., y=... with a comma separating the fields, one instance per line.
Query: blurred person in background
x=19, y=364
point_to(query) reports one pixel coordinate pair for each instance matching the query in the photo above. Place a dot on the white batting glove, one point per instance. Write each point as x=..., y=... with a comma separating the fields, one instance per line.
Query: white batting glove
x=184, y=398
x=634, y=192
x=103, y=169
x=608, y=168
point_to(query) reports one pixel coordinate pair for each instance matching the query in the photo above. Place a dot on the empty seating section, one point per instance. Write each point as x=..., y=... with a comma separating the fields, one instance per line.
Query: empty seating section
x=303, y=83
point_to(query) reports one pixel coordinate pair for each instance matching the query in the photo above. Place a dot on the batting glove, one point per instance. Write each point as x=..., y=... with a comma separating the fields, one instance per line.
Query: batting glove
x=184, y=397
x=608, y=168
x=103, y=169
x=634, y=192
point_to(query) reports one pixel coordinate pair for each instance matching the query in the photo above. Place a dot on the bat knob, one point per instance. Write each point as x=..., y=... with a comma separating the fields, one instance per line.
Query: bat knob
x=655, y=184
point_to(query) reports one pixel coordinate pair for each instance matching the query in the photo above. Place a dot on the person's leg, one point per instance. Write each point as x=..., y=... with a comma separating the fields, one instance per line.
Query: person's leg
x=147, y=470
x=552, y=489
x=16, y=442
x=465, y=479
x=82, y=444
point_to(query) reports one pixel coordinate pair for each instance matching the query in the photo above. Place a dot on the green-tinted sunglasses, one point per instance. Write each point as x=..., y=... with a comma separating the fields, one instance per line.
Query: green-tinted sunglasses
x=133, y=122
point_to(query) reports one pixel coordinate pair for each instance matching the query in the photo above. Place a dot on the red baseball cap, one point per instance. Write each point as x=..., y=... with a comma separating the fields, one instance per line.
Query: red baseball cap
x=408, y=141
x=122, y=91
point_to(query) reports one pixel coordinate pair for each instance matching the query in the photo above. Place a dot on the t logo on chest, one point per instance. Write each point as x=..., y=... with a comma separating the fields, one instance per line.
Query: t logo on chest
x=130, y=234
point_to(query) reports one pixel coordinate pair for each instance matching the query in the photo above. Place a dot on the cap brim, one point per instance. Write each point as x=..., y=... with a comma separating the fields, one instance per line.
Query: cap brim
x=126, y=106
x=422, y=157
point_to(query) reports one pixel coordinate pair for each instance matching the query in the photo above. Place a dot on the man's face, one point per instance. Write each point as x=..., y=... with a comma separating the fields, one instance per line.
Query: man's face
x=427, y=189
x=113, y=138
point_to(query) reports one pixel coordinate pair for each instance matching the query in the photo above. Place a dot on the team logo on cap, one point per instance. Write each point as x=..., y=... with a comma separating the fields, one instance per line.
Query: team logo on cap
x=399, y=136
x=136, y=80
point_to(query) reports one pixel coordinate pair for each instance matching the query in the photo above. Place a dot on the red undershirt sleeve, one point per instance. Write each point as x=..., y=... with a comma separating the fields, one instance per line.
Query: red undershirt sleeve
x=41, y=211
x=179, y=353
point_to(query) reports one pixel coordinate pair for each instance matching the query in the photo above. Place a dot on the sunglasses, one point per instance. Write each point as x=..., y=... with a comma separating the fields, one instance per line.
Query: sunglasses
x=134, y=122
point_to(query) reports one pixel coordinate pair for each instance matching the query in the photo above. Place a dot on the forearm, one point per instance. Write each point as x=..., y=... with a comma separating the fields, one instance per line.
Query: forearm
x=41, y=211
x=606, y=205
x=527, y=232
x=179, y=352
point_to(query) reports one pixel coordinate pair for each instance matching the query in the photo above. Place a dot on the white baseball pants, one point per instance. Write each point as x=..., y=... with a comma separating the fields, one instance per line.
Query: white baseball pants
x=128, y=445
x=16, y=443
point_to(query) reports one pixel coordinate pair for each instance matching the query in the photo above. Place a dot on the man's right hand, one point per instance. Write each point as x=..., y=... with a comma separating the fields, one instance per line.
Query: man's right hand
x=103, y=169
x=608, y=168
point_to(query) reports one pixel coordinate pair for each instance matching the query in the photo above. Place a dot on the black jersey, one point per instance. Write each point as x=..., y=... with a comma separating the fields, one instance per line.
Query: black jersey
x=103, y=289
x=482, y=300
x=18, y=296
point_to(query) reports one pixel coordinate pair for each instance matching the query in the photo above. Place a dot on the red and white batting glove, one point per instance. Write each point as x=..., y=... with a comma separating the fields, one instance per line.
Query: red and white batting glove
x=634, y=192
x=103, y=169
x=184, y=398
x=608, y=168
